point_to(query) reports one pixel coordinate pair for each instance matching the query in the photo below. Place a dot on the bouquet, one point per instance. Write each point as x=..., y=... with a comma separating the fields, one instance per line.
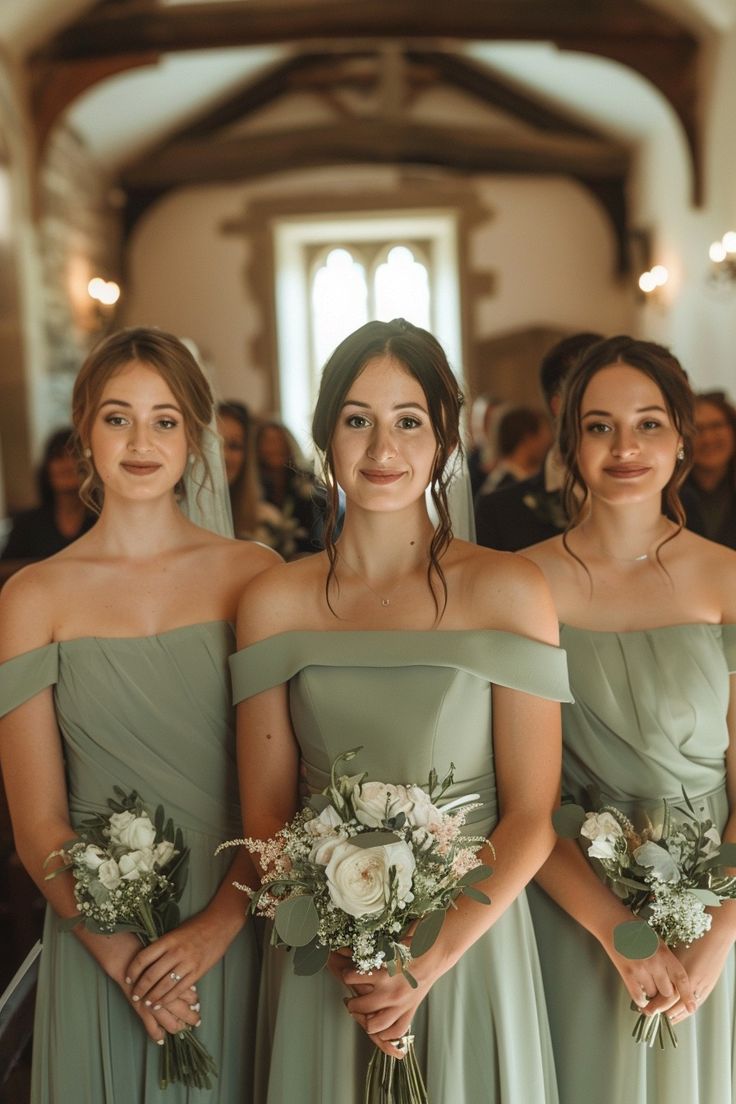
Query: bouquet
x=358, y=868
x=668, y=876
x=129, y=873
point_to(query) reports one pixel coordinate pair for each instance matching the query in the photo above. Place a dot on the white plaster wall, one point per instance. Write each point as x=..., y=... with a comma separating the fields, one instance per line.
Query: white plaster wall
x=546, y=244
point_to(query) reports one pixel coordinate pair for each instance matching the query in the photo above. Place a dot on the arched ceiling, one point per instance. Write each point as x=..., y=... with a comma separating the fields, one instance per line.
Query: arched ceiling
x=167, y=93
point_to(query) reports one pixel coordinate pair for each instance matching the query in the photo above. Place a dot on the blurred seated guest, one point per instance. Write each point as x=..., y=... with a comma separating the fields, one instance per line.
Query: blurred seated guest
x=289, y=519
x=480, y=457
x=530, y=510
x=712, y=481
x=61, y=517
x=235, y=426
x=523, y=438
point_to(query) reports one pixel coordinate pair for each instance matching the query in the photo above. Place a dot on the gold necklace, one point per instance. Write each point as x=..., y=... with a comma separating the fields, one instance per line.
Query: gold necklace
x=385, y=600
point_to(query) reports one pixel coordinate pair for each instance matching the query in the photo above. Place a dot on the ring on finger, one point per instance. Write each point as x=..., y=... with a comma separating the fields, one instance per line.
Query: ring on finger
x=403, y=1043
x=175, y=977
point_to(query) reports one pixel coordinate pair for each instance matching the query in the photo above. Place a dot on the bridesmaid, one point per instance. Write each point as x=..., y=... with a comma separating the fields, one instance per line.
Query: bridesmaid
x=424, y=650
x=647, y=611
x=113, y=672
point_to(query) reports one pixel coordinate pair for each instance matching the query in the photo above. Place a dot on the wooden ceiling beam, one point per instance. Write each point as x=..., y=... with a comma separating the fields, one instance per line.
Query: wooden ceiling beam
x=126, y=28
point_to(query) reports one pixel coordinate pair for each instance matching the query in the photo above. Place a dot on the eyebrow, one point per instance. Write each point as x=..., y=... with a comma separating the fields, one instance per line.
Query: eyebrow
x=397, y=406
x=607, y=413
x=121, y=402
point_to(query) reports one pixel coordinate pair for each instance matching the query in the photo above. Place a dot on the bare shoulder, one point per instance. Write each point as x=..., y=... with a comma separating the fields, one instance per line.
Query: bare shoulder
x=506, y=591
x=246, y=559
x=28, y=603
x=276, y=599
x=712, y=566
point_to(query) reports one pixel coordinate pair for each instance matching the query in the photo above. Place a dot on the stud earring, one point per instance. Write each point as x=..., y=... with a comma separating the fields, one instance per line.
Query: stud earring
x=87, y=453
x=681, y=453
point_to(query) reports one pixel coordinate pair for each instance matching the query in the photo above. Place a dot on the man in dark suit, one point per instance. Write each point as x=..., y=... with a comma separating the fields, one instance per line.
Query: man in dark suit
x=531, y=510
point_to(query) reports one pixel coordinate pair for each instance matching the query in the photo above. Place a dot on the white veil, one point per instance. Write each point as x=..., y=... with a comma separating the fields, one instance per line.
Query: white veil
x=206, y=499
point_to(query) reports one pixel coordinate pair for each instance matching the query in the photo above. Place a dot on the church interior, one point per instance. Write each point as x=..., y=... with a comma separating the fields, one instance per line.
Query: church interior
x=532, y=169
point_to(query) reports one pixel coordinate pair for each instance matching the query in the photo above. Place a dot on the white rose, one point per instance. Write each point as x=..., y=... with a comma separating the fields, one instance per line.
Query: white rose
x=422, y=814
x=109, y=874
x=324, y=824
x=322, y=851
x=137, y=833
x=135, y=863
x=602, y=848
x=163, y=853
x=358, y=877
x=601, y=824
x=374, y=801
x=119, y=821
x=660, y=862
x=93, y=856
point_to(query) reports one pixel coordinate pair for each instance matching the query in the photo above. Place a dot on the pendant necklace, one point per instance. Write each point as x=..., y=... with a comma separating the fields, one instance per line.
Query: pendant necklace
x=384, y=599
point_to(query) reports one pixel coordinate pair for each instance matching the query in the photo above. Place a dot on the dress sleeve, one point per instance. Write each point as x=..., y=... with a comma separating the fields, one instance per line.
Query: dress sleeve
x=729, y=646
x=504, y=658
x=24, y=676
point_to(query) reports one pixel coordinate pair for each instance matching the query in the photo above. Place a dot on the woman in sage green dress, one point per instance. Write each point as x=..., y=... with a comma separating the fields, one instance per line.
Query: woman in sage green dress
x=113, y=672
x=647, y=611
x=425, y=651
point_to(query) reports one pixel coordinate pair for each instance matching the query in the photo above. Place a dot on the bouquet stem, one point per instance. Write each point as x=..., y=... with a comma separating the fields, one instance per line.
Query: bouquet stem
x=394, y=1080
x=649, y=1030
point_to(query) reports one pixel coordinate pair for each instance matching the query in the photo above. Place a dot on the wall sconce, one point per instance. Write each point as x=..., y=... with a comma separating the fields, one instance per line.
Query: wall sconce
x=722, y=255
x=652, y=280
x=104, y=292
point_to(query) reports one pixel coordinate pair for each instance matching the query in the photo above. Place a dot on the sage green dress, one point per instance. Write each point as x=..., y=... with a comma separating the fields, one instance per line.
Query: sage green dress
x=151, y=714
x=413, y=701
x=649, y=718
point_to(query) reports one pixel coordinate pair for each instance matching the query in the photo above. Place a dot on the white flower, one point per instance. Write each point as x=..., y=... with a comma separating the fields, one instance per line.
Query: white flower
x=601, y=824
x=374, y=801
x=135, y=863
x=423, y=814
x=602, y=848
x=324, y=824
x=93, y=856
x=163, y=853
x=324, y=846
x=358, y=877
x=109, y=874
x=128, y=830
x=663, y=866
x=712, y=842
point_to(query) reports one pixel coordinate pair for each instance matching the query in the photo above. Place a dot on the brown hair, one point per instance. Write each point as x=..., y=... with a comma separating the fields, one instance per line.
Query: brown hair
x=163, y=353
x=423, y=357
x=665, y=370
x=244, y=490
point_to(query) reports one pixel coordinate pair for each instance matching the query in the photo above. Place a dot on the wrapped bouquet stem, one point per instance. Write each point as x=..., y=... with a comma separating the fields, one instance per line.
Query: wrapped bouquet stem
x=668, y=875
x=129, y=874
x=360, y=868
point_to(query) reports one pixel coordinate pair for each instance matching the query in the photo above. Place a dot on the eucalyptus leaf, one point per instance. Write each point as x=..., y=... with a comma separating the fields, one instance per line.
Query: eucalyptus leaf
x=567, y=821
x=296, y=920
x=477, y=895
x=635, y=939
x=726, y=855
x=158, y=819
x=373, y=839
x=426, y=932
x=311, y=958
x=706, y=896
x=477, y=874
x=410, y=978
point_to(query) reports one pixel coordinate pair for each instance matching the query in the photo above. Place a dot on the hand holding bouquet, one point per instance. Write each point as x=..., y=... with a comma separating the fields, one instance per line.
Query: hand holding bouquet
x=358, y=868
x=129, y=873
x=668, y=876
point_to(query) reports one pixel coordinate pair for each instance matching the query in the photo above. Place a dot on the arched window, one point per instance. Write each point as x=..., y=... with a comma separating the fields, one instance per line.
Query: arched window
x=332, y=275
